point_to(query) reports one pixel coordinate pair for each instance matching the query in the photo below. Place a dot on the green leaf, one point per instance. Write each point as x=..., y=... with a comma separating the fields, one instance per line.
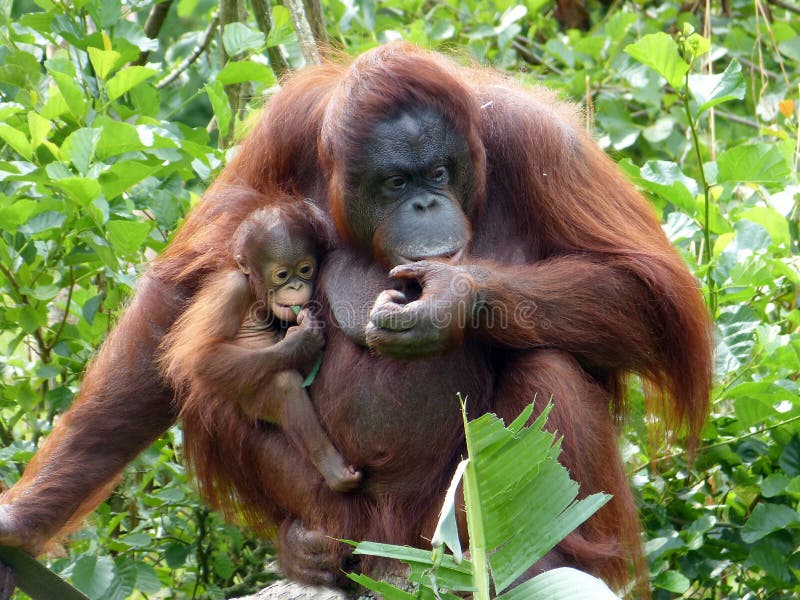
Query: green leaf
x=753, y=163
x=774, y=484
x=562, y=583
x=121, y=176
x=710, y=90
x=672, y=581
x=39, y=128
x=8, y=109
x=511, y=16
x=105, y=13
x=17, y=140
x=127, y=236
x=93, y=575
x=73, y=95
x=668, y=181
x=186, y=8
x=44, y=221
x=695, y=46
x=80, y=190
x=127, y=79
x=246, y=70
x=238, y=37
x=447, y=528
x=17, y=213
x=79, y=148
x=767, y=518
x=282, y=31
x=775, y=223
x=791, y=48
x=789, y=460
x=221, y=105
x=223, y=565
x=124, y=581
x=387, y=591
x=117, y=138
x=618, y=25
x=500, y=489
x=103, y=61
x=147, y=580
x=452, y=575
x=660, y=52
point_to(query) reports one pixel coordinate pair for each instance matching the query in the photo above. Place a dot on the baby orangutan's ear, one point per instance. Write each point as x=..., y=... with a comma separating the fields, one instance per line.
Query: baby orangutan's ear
x=320, y=224
x=243, y=266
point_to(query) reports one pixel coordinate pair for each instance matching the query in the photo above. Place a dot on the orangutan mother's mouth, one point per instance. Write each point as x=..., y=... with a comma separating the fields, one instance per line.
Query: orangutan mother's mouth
x=452, y=256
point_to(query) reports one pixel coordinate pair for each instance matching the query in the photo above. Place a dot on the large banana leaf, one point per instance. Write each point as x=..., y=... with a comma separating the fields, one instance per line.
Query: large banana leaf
x=520, y=502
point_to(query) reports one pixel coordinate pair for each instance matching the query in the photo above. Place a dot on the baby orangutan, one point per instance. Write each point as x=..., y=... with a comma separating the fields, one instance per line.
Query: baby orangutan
x=244, y=336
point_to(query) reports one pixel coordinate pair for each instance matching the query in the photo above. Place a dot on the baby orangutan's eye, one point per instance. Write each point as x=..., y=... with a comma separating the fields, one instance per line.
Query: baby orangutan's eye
x=280, y=276
x=305, y=270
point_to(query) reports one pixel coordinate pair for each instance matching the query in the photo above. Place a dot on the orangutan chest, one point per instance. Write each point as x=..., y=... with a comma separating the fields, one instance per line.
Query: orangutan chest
x=395, y=418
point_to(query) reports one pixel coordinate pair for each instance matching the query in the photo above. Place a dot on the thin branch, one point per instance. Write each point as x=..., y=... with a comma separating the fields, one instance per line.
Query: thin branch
x=733, y=440
x=54, y=341
x=231, y=11
x=187, y=62
x=4, y=270
x=737, y=119
x=316, y=19
x=308, y=44
x=153, y=25
x=785, y=6
x=264, y=21
x=524, y=48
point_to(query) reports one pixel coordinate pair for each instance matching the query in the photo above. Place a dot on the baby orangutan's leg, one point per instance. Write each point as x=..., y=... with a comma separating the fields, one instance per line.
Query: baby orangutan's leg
x=284, y=401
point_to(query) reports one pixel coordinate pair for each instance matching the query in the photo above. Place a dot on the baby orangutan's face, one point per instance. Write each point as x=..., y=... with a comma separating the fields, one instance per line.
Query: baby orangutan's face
x=289, y=284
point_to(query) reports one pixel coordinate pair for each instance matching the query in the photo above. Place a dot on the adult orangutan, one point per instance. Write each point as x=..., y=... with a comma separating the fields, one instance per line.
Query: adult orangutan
x=487, y=247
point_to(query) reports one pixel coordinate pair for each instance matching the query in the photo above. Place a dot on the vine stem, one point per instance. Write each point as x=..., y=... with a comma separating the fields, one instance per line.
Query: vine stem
x=712, y=292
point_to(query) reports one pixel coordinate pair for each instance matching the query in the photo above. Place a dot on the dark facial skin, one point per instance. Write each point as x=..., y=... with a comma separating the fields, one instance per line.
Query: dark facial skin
x=281, y=266
x=413, y=189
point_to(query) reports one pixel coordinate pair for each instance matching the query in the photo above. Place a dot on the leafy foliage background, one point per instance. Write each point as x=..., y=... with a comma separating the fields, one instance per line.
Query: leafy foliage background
x=107, y=137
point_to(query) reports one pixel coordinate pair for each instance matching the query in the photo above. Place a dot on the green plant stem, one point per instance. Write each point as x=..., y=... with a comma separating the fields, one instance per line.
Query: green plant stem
x=712, y=292
x=477, y=537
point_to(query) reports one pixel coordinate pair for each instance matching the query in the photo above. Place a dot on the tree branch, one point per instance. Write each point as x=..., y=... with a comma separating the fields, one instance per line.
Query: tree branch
x=187, y=62
x=264, y=20
x=316, y=19
x=785, y=6
x=153, y=25
x=308, y=44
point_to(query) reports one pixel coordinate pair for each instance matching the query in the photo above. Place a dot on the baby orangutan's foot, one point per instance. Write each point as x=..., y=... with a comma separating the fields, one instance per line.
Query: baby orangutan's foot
x=343, y=479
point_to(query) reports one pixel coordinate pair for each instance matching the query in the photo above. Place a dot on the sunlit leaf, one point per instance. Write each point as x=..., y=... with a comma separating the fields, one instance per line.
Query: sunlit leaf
x=127, y=236
x=710, y=90
x=660, y=52
x=127, y=79
x=221, y=105
x=754, y=163
x=79, y=148
x=103, y=61
x=238, y=37
x=17, y=140
x=246, y=70
x=561, y=584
